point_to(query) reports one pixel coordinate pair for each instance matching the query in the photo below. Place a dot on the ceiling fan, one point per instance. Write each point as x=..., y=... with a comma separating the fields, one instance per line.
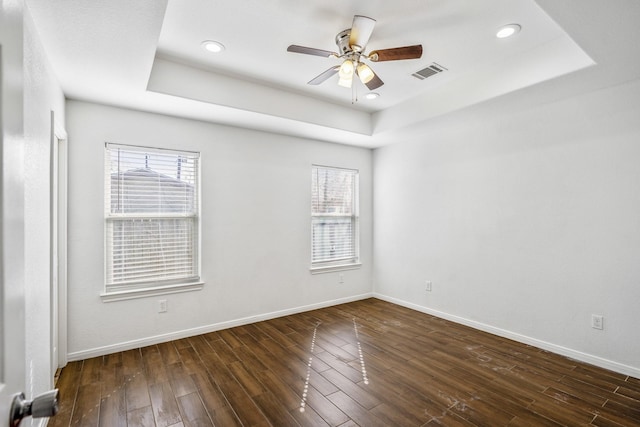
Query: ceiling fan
x=351, y=45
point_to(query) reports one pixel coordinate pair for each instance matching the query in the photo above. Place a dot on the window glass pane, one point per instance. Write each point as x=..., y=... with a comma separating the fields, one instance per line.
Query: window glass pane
x=151, y=182
x=332, y=239
x=334, y=215
x=333, y=191
x=152, y=217
x=147, y=250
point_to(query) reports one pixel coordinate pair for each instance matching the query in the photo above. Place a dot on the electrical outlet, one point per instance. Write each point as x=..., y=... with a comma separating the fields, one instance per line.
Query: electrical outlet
x=341, y=278
x=162, y=306
x=427, y=285
x=597, y=321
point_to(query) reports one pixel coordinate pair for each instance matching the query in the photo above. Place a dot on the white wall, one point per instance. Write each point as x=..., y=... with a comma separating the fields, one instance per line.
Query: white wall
x=255, y=228
x=42, y=94
x=525, y=219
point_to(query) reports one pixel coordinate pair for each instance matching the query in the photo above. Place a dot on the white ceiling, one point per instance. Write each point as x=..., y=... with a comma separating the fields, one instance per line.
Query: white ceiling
x=146, y=55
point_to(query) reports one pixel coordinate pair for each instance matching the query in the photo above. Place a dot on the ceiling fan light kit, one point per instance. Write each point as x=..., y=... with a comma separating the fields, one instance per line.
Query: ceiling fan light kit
x=345, y=74
x=365, y=73
x=352, y=43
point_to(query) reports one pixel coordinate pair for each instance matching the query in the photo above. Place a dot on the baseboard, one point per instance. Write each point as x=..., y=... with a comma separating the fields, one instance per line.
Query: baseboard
x=143, y=342
x=554, y=348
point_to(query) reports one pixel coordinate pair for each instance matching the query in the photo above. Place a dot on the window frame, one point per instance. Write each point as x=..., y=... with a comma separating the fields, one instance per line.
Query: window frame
x=140, y=289
x=347, y=263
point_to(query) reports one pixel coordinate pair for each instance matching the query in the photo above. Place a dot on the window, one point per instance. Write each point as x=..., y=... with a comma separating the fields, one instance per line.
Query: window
x=334, y=218
x=152, y=216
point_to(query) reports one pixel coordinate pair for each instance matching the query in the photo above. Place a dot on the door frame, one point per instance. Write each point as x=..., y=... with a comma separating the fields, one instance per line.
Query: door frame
x=58, y=227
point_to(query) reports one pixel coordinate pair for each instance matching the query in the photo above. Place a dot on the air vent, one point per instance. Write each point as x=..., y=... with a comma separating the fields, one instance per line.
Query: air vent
x=429, y=71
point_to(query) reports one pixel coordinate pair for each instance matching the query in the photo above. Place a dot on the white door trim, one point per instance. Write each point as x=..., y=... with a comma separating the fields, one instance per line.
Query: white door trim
x=58, y=245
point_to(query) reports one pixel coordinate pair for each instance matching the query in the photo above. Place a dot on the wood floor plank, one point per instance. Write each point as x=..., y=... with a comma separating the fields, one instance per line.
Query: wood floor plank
x=373, y=363
x=91, y=369
x=86, y=411
x=527, y=418
x=155, y=367
x=114, y=359
x=216, y=369
x=191, y=361
x=219, y=410
x=137, y=391
x=200, y=344
x=282, y=325
x=321, y=383
x=113, y=409
x=274, y=411
x=308, y=417
x=168, y=353
x=294, y=365
x=112, y=378
x=245, y=408
x=182, y=343
x=249, y=359
x=165, y=407
x=248, y=381
x=193, y=411
x=561, y=412
x=325, y=408
x=448, y=419
x=224, y=352
x=402, y=397
x=630, y=394
x=230, y=338
x=289, y=398
x=339, y=365
x=600, y=421
x=353, y=390
x=142, y=417
x=282, y=339
x=180, y=379
x=633, y=383
x=617, y=412
x=356, y=412
x=132, y=362
x=256, y=332
x=302, y=351
x=391, y=417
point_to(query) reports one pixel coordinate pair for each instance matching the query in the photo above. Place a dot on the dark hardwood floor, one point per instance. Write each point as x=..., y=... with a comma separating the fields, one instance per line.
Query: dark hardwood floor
x=367, y=363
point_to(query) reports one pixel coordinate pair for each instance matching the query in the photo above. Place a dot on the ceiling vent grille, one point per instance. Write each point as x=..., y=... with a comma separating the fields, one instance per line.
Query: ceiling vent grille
x=429, y=71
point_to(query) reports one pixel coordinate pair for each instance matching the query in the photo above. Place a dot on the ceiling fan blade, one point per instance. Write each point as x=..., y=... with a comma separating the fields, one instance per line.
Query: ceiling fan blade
x=310, y=51
x=324, y=76
x=374, y=83
x=361, y=30
x=396, y=53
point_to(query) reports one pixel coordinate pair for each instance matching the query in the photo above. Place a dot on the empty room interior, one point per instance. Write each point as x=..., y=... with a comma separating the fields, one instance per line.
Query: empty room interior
x=345, y=213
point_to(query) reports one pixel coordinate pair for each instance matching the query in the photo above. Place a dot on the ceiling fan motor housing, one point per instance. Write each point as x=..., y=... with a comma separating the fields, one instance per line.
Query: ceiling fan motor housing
x=342, y=40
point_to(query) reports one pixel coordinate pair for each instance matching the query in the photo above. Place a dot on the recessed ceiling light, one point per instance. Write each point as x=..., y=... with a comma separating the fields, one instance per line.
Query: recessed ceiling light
x=508, y=31
x=372, y=95
x=212, y=46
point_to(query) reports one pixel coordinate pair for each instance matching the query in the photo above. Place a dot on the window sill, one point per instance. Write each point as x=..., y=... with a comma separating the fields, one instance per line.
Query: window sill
x=148, y=292
x=331, y=268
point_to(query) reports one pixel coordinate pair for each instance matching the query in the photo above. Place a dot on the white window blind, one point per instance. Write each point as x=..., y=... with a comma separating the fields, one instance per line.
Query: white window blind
x=334, y=216
x=152, y=219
